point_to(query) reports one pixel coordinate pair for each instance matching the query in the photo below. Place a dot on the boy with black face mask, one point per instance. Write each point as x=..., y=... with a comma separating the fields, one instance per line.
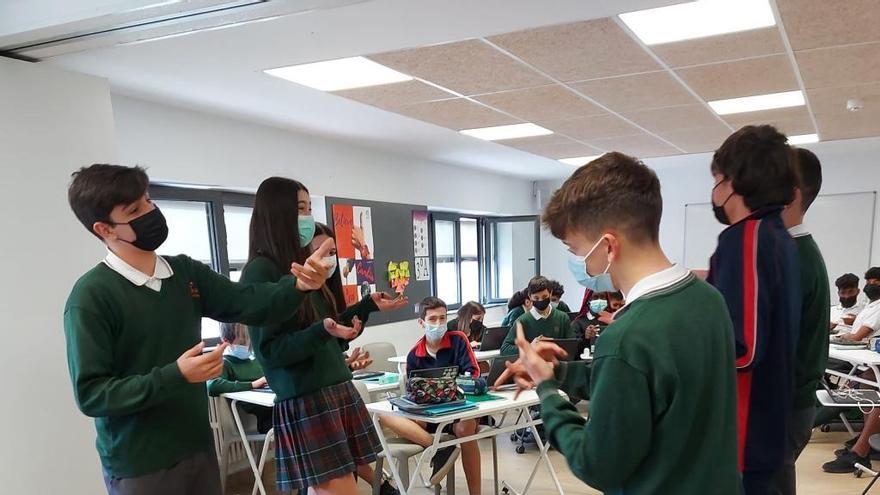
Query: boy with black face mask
x=542, y=320
x=848, y=294
x=133, y=330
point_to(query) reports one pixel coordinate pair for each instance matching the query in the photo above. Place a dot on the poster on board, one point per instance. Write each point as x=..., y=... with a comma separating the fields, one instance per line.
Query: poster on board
x=423, y=269
x=420, y=233
x=353, y=226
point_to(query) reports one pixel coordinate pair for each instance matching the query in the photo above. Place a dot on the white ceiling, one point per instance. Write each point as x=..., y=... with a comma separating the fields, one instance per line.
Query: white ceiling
x=221, y=70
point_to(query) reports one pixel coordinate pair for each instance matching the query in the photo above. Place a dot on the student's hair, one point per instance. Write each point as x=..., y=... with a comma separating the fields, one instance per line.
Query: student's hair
x=428, y=303
x=95, y=190
x=615, y=295
x=538, y=284
x=466, y=312
x=847, y=281
x=517, y=299
x=873, y=273
x=614, y=191
x=556, y=289
x=331, y=291
x=756, y=160
x=231, y=332
x=274, y=230
x=809, y=175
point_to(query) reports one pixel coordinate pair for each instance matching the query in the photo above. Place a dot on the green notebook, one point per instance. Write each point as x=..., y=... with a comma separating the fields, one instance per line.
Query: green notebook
x=445, y=409
x=482, y=398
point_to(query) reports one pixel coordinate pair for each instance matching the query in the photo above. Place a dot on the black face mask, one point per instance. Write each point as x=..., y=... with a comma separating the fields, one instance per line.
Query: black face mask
x=541, y=305
x=150, y=228
x=476, y=327
x=872, y=291
x=718, y=210
x=848, y=302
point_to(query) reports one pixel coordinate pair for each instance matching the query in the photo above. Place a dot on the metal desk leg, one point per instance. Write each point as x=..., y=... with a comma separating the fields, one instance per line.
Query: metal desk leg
x=395, y=469
x=247, y=448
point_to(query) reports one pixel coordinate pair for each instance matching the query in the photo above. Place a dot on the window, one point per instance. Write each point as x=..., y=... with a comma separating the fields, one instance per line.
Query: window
x=482, y=259
x=208, y=226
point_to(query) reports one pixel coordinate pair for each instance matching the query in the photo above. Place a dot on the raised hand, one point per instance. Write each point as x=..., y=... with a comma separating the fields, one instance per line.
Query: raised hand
x=313, y=274
x=197, y=367
x=387, y=303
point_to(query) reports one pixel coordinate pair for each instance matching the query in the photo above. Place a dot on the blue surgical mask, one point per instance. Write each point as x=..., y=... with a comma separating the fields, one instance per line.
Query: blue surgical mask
x=434, y=332
x=306, y=225
x=331, y=260
x=598, y=305
x=240, y=351
x=597, y=283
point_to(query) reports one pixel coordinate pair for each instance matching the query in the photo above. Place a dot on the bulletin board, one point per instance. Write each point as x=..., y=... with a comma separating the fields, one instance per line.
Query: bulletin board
x=385, y=234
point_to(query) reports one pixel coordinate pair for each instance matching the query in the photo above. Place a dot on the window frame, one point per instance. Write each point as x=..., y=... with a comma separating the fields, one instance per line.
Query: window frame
x=489, y=254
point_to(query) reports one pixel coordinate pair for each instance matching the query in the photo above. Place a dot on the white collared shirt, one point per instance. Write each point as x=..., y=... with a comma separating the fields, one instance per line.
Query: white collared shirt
x=869, y=317
x=838, y=312
x=162, y=271
x=798, y=231
x=656, y=281
x=537, y=315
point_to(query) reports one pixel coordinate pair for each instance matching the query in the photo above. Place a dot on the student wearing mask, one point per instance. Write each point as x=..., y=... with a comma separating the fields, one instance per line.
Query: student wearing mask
x=557, y=290
x=867, y=323
x=241, y=372
x=755, y=267
x=322, y=429
x=469, y=321
x=848, y=294
x=872, y=276
x=663, y=400
x=811, y=351
x=439, y=348
x=541, y=321
x=133, y=330
x=517, y=306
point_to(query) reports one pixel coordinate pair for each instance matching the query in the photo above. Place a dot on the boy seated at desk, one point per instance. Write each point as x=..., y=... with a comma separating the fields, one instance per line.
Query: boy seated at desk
x=542, y=320
x=867, y=323
x=848, y=293
x=241, y=372
x=440, y=348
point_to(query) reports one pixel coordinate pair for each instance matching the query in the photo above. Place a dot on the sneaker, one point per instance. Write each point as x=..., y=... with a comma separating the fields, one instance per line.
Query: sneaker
x=840, y=452
x=852, y=441
x=388, y=489
x=846, y=463
x=442, y=463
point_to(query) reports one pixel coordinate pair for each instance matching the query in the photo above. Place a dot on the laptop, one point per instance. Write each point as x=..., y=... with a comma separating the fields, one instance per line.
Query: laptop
x=853, y=396
x=445, y=372
x=493, y=338
x=498, y=367
x=366, y=375
x=570, y=346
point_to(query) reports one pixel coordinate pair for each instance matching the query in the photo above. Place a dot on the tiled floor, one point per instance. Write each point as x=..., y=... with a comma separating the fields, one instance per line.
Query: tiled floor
x=514, y=468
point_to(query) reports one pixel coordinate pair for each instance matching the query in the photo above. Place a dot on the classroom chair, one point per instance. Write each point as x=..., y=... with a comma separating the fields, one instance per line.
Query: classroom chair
x=231, y=436
x=380, y=352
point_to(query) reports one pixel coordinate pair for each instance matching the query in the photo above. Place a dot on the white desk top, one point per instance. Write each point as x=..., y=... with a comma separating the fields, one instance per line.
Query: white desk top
x=526, y=399
x=267, y=399
x=480, y=355
x=855, y=356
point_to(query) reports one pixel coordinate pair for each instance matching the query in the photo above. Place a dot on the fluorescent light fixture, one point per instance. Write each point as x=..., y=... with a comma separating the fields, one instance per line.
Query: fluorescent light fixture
x=339, y=74
x=501, y=132
x=198, y=30
x=758, y=102
x=803, y=139
x=579, y=160
x=698, y=19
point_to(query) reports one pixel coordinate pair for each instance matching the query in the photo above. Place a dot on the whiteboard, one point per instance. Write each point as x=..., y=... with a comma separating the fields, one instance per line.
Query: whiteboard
x=841, y=224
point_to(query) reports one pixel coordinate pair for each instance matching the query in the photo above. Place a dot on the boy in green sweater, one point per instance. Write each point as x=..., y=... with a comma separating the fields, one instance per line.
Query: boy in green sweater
x=663, y=399
x=811, y=355
x=542, y=320
x=133, y=330
x=557, y=290
x=241, y=372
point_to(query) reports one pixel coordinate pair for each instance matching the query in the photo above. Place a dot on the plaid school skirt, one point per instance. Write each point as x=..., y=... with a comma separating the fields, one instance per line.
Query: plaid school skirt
x=322, y=436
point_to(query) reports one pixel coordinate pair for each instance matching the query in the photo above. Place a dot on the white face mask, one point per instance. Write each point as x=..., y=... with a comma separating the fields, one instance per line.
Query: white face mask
x=597, y=283
x=434, y=332
x=331, y=260
x=240, y=351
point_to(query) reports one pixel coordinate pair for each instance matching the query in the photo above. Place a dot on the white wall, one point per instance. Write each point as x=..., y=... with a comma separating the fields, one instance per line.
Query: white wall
x=52, y=122
x=186, y=146
x=847, y=166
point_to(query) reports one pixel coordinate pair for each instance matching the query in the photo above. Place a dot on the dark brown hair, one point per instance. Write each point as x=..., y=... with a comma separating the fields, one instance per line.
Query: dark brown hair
x=95, y=190
x=538, y=284
x=430, y=302
x=331, y=291
x=809, y=175
x=466, y=312
x=614, y=191
x=756, y=161
x=274, y=230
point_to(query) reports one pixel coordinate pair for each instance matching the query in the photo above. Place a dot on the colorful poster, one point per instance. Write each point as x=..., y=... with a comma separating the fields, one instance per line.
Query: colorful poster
x=398, y=275
x=423, y=269
x=420, y=233
x=353, y=226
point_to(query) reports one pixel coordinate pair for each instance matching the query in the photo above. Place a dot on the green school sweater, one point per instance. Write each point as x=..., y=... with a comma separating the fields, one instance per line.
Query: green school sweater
x=123, y=342
x=555, y=326
x=663, y=399
x=811, y=357
x=512, y=315
x=299, y=360
x=563, y=307
x=237, y=376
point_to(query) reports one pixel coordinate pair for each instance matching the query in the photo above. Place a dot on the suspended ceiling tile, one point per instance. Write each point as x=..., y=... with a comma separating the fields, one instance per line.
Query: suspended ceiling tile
x=395, y=95
x=721, y=48
x=641, y=91
x=836, y=122
x=792, y=121
x=567, y=149
x=749, y=77
x=596, y=127
x=822, y=23
x=637, y=145
x=544, y=103
x=468, y=67
x=699, y=139
x=840, y=66
x=579, y=51
x=675, y=118
x=455, y=114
